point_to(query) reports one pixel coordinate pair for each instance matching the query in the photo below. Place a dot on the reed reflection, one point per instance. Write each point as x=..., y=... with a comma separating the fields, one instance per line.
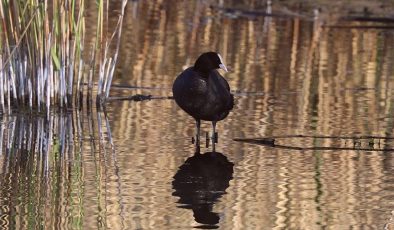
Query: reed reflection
x=40, y=158
x=200, y=182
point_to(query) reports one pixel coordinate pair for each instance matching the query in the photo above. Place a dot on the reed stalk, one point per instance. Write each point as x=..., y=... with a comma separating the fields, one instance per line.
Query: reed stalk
x=43, y=55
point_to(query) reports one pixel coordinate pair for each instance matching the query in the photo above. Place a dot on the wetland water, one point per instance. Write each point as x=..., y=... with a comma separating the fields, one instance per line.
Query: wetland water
x=133, y=166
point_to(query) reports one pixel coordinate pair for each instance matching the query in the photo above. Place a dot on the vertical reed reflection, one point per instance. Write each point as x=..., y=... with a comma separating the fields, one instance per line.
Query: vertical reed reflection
x=44, y=171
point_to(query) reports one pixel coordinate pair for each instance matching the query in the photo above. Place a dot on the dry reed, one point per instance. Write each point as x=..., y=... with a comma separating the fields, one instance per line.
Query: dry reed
x=43, y=54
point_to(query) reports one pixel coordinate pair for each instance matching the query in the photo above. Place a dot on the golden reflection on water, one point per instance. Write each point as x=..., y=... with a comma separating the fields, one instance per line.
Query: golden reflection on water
x=289, y=76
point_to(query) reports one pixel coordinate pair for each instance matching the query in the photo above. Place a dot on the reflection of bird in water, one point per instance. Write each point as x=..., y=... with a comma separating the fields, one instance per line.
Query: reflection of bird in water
x=200, y=182
x=203, y=93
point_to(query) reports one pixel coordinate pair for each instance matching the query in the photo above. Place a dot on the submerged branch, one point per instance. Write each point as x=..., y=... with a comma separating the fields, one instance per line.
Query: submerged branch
x=235, y=12
x=327, y=137
x=356, y=141
x=138, y=97
x=368, y=19
x=360, y=27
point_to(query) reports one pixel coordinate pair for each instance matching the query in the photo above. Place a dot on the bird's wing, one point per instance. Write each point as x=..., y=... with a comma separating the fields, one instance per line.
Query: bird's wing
x=224, y=83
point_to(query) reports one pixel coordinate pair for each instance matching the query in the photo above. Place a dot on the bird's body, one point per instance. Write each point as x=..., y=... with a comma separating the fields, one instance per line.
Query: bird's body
x=203, y=93
x=204, y=98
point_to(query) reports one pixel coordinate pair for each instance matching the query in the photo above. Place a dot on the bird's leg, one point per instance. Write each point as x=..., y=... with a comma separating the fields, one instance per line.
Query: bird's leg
x=213, y=137
x=207, y=140
x=198, y=123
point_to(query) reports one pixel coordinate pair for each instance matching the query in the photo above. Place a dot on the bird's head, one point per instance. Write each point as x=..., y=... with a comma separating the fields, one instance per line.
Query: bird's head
x=209, y=61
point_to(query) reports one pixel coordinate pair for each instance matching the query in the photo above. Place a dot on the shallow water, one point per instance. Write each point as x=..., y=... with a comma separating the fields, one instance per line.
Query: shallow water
x=132, y=166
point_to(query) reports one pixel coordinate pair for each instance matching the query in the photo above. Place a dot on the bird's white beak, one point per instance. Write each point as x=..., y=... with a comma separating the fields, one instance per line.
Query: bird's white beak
x=223, y=67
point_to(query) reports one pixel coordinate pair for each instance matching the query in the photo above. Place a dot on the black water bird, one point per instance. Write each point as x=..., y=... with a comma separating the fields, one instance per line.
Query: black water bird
x=203, y=93
x=200, y=182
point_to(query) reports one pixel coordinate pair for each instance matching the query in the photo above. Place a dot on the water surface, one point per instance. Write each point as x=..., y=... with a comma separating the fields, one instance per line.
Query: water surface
x=133, y=166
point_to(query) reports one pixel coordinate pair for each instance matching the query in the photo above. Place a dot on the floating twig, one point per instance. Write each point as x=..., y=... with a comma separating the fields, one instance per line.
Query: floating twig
x=360, y=27
x=368, y=19
x=139, y=97
x=257, y=13
x=270, y=141
x=326, y=137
